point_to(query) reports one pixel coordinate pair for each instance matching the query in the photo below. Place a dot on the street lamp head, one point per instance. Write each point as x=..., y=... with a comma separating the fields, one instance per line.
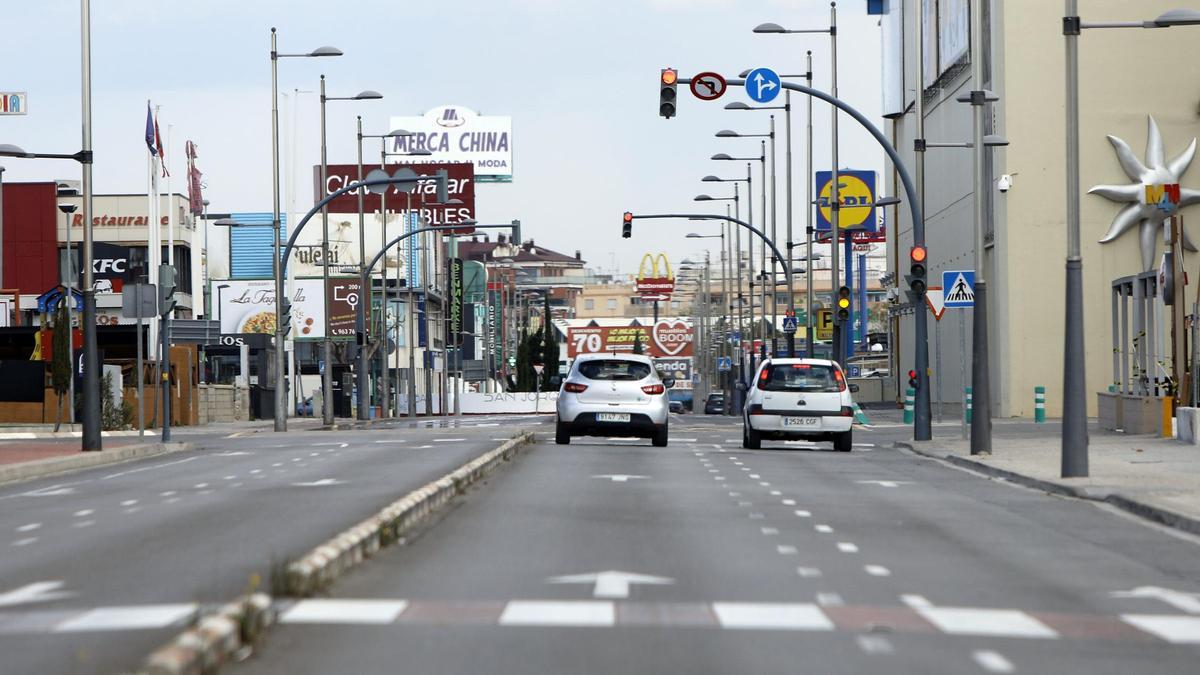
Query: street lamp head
x=726, y=133
x=887, y=201
x=10, y=150
x=702, y=198
x=711, y=179
x=420, y=152
x=205, y=202
x=368, y=95
x=721, y=156
x=325, y=51
x=742, y=75
x=738, y=105
x=769, y=28
x=227, y=222
x=67, y=208
x=994, y=140
x=1178, y=17
x=398, y=133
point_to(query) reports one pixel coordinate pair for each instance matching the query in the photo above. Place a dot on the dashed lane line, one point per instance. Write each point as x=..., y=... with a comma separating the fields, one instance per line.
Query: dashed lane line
x=877, y=570
x=993, y=662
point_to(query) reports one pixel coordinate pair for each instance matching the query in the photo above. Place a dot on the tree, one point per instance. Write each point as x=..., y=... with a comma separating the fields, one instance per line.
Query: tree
x=526, y=376
x=637, y=343
x=60, y=357
x=549, y=348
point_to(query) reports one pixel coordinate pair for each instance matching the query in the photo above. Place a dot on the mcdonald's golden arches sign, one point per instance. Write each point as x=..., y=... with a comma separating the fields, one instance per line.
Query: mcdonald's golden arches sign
x=655, y=277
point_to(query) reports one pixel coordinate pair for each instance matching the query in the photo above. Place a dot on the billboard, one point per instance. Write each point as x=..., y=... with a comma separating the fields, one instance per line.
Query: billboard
x=654, y=276
x=455, y=133
x=248, y=307
x=665, y=339
x=856, y=193
x=342, y=296
x=460, y=186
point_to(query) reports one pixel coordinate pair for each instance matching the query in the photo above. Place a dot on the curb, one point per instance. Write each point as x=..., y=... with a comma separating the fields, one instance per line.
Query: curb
x=52, y=466
x=215, y=639
x=227, y=635
x=327, y=562
x=1132, y=506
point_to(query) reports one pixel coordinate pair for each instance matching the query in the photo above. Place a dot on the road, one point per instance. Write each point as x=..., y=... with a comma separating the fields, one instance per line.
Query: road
x=100, y=567
x=610, y=556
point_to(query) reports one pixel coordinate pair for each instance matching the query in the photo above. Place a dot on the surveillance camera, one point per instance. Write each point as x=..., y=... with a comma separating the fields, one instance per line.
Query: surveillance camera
x=1004, y=182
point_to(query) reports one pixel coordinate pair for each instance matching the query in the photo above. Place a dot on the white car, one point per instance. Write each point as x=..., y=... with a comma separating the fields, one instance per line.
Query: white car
x=799, y=399
x=613, y=395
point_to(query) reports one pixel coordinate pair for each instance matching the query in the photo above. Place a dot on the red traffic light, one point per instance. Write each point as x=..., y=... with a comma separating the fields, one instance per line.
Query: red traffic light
x=918, y=254
x=628, y=217
x=670, y=76
x=912, y=374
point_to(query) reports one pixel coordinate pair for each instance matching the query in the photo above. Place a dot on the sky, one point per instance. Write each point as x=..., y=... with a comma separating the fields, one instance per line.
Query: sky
x=578, y=77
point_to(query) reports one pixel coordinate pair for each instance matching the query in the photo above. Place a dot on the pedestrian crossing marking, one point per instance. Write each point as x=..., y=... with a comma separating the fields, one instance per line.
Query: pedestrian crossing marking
x=959, y=288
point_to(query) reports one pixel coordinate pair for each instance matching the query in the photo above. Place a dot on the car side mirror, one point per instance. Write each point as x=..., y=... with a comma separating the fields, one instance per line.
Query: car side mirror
x=853, y=388
x=741, y=386
x=668, y=382
x=556, y=382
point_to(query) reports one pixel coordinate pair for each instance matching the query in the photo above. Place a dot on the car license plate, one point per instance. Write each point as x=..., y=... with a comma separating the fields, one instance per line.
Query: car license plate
x=801, y=421
x=612, y=417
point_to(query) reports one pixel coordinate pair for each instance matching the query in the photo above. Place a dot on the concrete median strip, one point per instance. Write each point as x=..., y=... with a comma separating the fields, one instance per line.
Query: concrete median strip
x=228, y=634
x=1112, y=497
x=51, y=466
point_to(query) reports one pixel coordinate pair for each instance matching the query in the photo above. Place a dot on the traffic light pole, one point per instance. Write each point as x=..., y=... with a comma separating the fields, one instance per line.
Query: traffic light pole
x=922, y=424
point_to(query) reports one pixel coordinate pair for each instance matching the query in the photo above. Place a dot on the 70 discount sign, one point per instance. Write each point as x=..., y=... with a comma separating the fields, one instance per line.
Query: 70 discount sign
x=667, y=338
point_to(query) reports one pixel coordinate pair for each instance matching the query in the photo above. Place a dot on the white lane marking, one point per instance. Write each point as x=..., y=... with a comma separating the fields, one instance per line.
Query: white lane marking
x=714, y=471
x=684, y=440
x=337, y=443
x=718, y=477
x=786, y=550
x=129, y=502
x=744, y=504
x=735, y=494
x=126, y=618
x=84, y=523
x=449, y=440
x=915, y=601
x=558, y=613
x=239, y=453
x=776, y=493
x=230, y=477
x=991, y=622
x=884, y=483
x=314, y=454
x=803, y=514
x=847, y=547
x=254, y=471
x=172, y=500
x=1187, y=602
x=874, y=644
x=824, y=529
x=344, y=611
x=770, y=531
x=808, y=572
x=620, y=477
x=277, y=464
x=789, y=502
x=200, y=486
x=82, y=513
x=204, y=492
x=297, y=459
x=324, y=482
x=746, y=468
x=480, y=426
x=148, y=468
x=424, y=447
x=864, y=445
x=39, y=591
x=755, y=476
x=394, y=440
x=829, y=600
x=993, y=662
x=764, y=483
x=238, y=485
x=24, y=542
x=1172, y=628
x=770, y=616
x=29, y=528
x=877, y=570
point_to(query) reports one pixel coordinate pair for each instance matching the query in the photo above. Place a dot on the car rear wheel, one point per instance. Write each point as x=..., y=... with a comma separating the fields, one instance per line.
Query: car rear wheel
x=751, y=439
x=561, y=435
x=659, y=440
x=844, y=441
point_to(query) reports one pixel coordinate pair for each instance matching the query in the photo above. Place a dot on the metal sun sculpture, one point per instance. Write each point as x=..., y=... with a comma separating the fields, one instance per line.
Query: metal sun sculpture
x=1155, y=177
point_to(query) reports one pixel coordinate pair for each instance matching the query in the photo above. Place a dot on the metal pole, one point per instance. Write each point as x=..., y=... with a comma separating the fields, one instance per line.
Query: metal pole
x=981, y=408
x=70, y=330
x=364, y=298
x=835, y=205
x=808, y=218
x=277, y=265
x=327, y=342
x=91, y=362
x=1074, y=425
x=774, y=237
x=165, y=363
x=762, y=257
x=937, y=365
x=787, y=112
x=750, y=263
x=385, y=402
x=736, y=264
x=141, y=371
x=413, y=334
x=962, y=370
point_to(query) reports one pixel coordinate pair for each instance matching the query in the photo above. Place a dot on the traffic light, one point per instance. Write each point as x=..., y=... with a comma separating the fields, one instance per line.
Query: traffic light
x=843, y=304
x=285, y=315
x=166, y=289
x=913, y=380
x=916, y=279
x=666, y=92
x=627, y=227
x=516, y=232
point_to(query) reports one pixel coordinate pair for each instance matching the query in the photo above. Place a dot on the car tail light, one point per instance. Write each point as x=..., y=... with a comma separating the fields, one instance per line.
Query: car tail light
x=841, y=380
x=654, y=389
x=575, y=387
x=762, y=378
x=847, y=411
x=756, y=409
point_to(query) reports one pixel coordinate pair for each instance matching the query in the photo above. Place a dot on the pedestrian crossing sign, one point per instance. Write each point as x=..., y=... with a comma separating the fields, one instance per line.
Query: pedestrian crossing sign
x=959, y=288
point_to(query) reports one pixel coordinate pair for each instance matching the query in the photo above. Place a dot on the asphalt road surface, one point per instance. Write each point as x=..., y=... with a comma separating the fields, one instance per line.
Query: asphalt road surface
x=100, y=567
x=610, y=556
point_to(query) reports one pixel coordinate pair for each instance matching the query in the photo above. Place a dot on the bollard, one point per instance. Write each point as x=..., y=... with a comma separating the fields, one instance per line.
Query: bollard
x=967, y=408
x=909, y=397
x=1039, y=404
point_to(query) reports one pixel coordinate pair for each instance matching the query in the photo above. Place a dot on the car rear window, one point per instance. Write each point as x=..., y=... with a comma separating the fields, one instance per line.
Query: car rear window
x=799, y=377
x=614, y=369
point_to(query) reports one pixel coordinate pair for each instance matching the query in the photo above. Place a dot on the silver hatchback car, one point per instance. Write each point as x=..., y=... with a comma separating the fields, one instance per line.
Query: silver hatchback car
x=611, y=395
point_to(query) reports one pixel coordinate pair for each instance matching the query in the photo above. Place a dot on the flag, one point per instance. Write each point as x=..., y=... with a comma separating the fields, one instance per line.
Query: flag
x=162, y=155
x=195, y=196
x=150, y=130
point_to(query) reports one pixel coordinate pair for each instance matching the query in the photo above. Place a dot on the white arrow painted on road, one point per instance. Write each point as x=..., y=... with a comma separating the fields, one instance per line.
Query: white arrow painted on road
x=611, y=583
x=1188, y=602
x=885, y=483
x=40, y=591
x=619, y=477
x=321, y=483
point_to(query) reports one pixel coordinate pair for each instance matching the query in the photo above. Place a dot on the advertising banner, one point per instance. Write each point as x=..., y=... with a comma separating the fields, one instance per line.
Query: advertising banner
x=455, y=320
x=667, y=338
x=461, y=186
x=680, y=369
x=855, y=189
x=458, y=134
x=248, y=306
x=343, y=296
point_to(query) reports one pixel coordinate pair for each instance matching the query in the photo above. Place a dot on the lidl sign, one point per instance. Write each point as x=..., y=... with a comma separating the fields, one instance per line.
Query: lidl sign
x=856, y=193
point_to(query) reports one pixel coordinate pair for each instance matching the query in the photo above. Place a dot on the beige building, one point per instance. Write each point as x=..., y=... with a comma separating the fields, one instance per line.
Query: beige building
x=1125, y=76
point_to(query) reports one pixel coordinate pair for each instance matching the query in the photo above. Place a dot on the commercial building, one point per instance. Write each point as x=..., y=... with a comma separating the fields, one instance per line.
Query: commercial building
x=1126, y=77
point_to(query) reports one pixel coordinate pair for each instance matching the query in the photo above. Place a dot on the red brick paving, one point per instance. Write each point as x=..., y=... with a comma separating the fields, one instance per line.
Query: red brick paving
x=14, y=452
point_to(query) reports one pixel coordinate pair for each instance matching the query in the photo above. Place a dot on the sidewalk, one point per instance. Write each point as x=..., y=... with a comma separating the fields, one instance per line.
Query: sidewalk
x=1152, y=477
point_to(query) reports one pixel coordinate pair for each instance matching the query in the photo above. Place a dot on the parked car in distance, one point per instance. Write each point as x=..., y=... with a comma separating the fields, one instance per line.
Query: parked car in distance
x=611, y=395
x=799, y=399
x=677, y=407
x=714, y=404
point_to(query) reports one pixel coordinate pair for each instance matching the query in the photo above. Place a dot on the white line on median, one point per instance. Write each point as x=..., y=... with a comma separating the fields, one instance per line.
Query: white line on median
x=558, y=613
